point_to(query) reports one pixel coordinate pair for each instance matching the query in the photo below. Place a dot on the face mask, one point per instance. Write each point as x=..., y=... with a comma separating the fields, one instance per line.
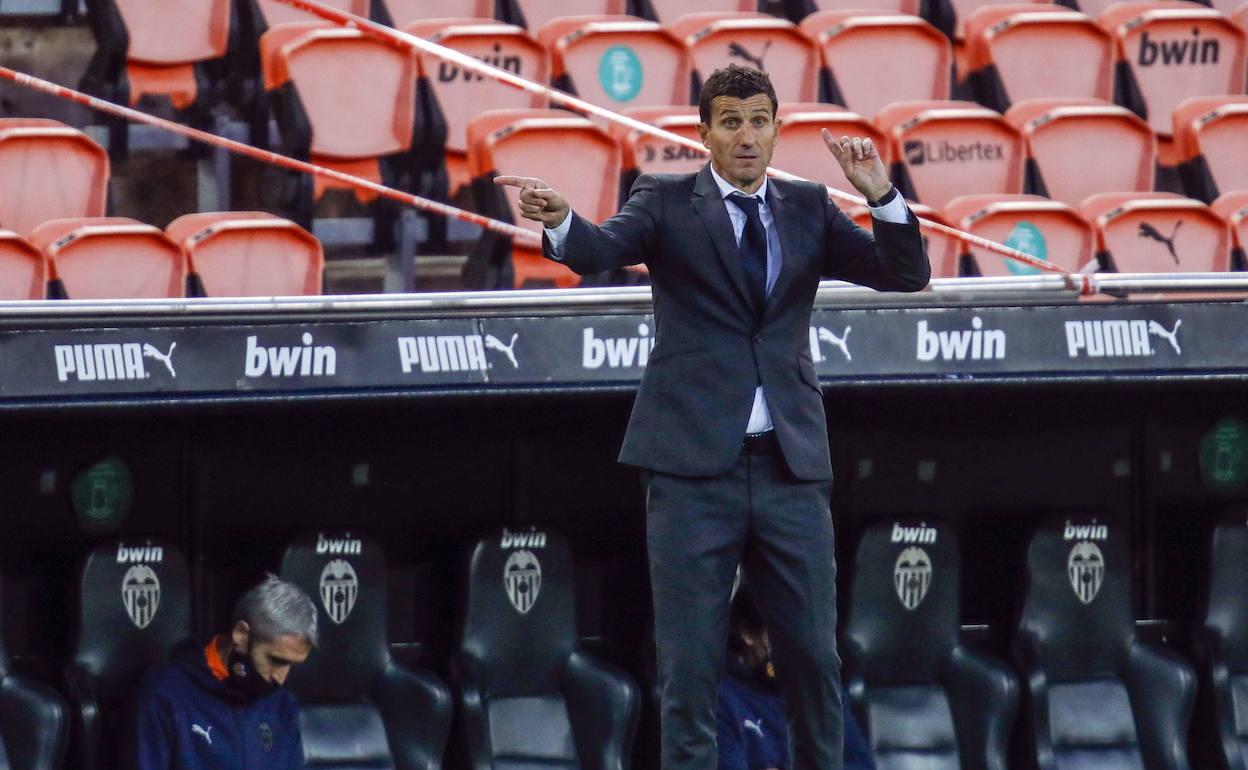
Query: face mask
x=245, y=680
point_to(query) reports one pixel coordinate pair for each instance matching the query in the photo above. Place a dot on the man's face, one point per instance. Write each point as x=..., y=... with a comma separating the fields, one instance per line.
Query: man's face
x=742, y=136
x=272, y=659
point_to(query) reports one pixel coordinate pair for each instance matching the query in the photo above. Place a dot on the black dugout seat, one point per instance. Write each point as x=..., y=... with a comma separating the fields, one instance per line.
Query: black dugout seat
x=1222, y=650
x=33, y=723
x=926, y=701
x=528, y=697
x=358, y=707
x=1098, y=697
x=134, y=606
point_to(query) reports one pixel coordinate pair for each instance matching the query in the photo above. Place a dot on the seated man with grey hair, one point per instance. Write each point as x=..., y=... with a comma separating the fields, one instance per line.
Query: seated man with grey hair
x=220, y=705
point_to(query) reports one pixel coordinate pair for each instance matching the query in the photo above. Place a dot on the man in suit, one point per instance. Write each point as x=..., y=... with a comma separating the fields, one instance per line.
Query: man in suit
x=728, y=426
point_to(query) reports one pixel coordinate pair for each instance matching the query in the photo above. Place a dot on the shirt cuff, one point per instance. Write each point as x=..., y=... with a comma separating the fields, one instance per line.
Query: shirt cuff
x=557, y=235
x=891, y=208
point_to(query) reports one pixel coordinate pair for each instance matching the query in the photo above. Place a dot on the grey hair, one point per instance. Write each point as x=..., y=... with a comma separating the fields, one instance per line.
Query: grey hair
x=276, y=608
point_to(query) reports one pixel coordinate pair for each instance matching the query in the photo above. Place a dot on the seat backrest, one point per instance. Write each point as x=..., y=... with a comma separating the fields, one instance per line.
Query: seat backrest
x=1005, y=42
x=1175, y=50
x=882, y=6
x=1214, y=128
x=177, y=32
x=763, y=42
x=947, y=149
x=519, y=627
x=666, y=12
x=800, y=149
x=1079, y=147
x=273, y=13
x=962, y=10
x=1233, y=207
x=1226, y=613
x=617, y=62
x=1159, y=233
x=250, y=254
x=1034, y=225
x=23, y=268
x=537, y=13
x=942, y=250
x=112, y=258
x=359, y=94
x=404, y=12
x=50, y=171
x=648, y=154
x=901, y=629
x=918, y=64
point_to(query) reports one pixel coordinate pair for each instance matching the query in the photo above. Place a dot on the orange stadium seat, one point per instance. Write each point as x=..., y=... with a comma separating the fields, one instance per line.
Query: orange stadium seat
x=1158, y=233
x=797, y=10
x=1212, y=137
x=1034, y=225
x=942, y=150
x=50, y=171
x=538, y=142
x=23, y=268
x=535, y=14
x=270, y=13
x=1233, y=207
x=942, y=249
x=1017, y=52
x=1078, y=147
x=401, y=13
x=354, y=95
x=801, y=149
x=766, y=43
x=249, y=254
x=617, y=62
x=667, y=11
x=918, y=63
x=647, y=154
x=112, y=258
x=1173, y=50
x=950, y=16
x=459, y=95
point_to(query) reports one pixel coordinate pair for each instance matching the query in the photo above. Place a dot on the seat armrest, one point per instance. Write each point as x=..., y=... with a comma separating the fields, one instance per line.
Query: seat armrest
x=983, y=695
x=603, y=707
x=1035, y=700
x=1215, y=679
x=85, y=725
x=416, y=709
x=1162, y=687
x=33, y=724
x=473, y=723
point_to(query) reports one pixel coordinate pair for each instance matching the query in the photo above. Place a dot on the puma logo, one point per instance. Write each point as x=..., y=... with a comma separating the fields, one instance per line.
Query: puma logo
x=201, y=731
x=1171, y=336
x=827, y=336
x=494, y=343
x=1148, y=231
x=754, y=727
x=150, y=351
x=739, y=51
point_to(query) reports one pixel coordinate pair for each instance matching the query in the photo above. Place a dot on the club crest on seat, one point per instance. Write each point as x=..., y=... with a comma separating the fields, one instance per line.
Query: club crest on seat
x=339, y=589
x=912, y=576
x=140, y=593
x=522, y=577
x=1086, y=567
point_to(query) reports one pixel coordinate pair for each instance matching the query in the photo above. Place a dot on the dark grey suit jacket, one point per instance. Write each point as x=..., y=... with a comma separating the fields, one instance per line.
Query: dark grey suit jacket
x=711, y=347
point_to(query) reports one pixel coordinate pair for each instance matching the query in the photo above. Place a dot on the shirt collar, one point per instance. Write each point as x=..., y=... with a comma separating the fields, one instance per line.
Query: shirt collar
x=726, y=188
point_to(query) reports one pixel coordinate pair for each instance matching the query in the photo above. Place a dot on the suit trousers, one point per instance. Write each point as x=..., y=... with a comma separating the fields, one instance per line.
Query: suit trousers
x=779, y=529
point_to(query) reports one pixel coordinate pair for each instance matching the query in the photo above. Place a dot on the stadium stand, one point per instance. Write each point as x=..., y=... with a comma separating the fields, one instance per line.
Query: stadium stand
x=1233, y=207
x=1169, y=51
x=134, y=606
x=751, y=40
x=942, y=249
x=528, y=695
x=266, y=14
x=1096, y=694
x=1157, y=233
x=23, y=268
x=616, y=62
x=797, y=10
x=918, y=65
x=50, y=171
x=1004, y=43
x=112, y=258
x=358, y=707
x=668, y=11
x=457, y=96
x=927, y=699
x=943, y=149
x=1210, y=134
x=249, y=254
x=1079, y=147
x=33, y=722
x=535, y=14
x=517, y=142
x=1034, y=225
x=801, y=149
x=647, y=154
x=950, y=16
x=400, y=13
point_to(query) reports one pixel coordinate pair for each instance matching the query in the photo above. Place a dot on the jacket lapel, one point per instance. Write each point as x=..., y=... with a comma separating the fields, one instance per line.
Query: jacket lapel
x=790, y=257
x=711, y=208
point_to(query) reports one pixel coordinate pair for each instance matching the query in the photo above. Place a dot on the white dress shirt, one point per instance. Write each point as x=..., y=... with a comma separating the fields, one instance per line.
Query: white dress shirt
x=894, y=211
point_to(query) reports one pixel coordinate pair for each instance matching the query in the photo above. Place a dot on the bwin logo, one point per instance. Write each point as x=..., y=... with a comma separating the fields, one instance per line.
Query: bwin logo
x=912, y=576
x=977, y=344
x=140, y=594
x=1091, y=531
x=347, y=546
x=339, y=589
x=145, y=554
x=821, y=334
x=109, y=361
x=616, y=352
x=1119, y=338
x=1086, y=567
x=531, y=539
x=522, y=578
x=288, y=361
x=919, y=534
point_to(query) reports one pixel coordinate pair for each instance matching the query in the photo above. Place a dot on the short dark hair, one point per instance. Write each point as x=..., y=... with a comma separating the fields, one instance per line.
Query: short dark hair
x=738, y=82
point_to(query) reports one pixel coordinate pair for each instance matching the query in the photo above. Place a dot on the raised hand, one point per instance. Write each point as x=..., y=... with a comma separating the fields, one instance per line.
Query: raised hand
x=861, y=163
x=537, y=201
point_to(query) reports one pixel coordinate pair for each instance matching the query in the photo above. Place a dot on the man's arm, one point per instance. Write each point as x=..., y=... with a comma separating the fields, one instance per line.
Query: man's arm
x=151, y=747
x=728, y=736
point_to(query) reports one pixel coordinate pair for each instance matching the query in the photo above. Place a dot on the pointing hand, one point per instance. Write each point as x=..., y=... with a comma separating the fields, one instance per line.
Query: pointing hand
x=537, y=201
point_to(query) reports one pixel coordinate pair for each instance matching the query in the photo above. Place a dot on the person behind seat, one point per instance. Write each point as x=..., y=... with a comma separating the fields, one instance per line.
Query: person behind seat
x=220, y=704
x=752, y=729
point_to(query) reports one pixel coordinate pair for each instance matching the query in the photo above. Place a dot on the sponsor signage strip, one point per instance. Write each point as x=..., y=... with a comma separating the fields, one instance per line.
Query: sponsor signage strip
x=593, y=350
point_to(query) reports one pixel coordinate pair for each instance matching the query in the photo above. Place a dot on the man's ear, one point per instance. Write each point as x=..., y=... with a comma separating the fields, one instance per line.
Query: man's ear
x=779, y=123
x=240, y=635
x=703, y=131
